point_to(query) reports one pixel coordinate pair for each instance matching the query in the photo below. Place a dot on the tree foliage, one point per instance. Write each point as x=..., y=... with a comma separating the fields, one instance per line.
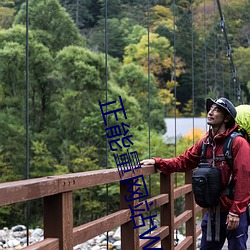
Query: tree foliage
x=53, y=25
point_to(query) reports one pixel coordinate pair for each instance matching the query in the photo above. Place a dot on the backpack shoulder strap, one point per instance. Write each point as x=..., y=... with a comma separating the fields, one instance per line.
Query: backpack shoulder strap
x=203, y=152
x=227, y=148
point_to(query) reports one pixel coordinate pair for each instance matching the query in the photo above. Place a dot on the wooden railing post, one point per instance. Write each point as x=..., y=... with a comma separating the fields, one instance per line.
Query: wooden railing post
x=190, y=205
x=167, y=210
x=58, y=219
x=129, y=235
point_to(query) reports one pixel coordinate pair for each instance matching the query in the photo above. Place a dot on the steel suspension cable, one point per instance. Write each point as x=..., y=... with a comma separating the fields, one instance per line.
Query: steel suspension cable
x=106, y=97
x=215, y=52
x=174, y=75
x=192, y=76
x=149, y=121
x=27, y=207
x=229, y=54
x=175, y=95
x=205, y=49
x=222, y=68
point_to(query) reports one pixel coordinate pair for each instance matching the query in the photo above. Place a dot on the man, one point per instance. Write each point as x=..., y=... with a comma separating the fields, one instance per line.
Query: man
x=221, y=115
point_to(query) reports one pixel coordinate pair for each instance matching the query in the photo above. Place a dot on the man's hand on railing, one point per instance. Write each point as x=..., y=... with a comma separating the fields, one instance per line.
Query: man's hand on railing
x=148, y=162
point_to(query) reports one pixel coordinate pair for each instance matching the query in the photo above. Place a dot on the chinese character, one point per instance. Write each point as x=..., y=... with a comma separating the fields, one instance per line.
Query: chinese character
x=127, y=162
x=113, y=111
x=138, y=186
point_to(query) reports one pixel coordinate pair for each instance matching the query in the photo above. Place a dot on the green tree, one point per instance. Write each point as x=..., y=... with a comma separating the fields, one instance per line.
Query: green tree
x=161, y=57
x=53, y=25
x=161, y=16
x=135, y=82
x=241, y=56
x=6, y=17
x=84, y=13
x=42, y=163
x=117, y=31
x=40, y=60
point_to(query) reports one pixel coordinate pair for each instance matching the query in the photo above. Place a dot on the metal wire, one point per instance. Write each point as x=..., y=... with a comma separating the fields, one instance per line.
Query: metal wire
x=174, y=73
x=27, y=207
x=205, y=50
x=215, y=51
x=149, y=121
x=236, y=82
x=106, y=82
x=175, y=108
x=192, y=77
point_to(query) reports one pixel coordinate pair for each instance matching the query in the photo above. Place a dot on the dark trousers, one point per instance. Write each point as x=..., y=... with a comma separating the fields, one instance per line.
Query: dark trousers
x=237, y=238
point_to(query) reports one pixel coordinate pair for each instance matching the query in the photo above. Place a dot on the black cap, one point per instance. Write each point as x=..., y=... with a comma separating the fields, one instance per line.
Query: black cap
x=223, y=103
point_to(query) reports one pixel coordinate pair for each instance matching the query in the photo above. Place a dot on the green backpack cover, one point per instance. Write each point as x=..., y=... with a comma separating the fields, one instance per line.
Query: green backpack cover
x=243, y=119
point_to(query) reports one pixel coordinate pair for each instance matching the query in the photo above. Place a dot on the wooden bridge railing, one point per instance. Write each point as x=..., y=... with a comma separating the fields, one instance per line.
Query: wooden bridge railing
x=59, y=232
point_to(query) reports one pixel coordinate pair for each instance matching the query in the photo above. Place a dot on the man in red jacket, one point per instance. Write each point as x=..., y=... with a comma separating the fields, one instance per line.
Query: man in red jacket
x=221, y=115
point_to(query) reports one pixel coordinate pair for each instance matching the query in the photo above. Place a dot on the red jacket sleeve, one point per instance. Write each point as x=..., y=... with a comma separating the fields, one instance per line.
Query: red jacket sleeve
x=241, y=175
x=185, y=162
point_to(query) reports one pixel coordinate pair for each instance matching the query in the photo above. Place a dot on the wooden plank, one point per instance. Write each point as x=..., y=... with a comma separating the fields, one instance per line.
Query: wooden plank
x=182, y=218
x=190, y=205
x=24, y=190
x=161, y=232
x=198, y=231
x=46, y=244
x=128, y=232
x=98, y=177
x=58, y=219
x=198, y=209
x=178, y=192
x=185, y=244
x=90, y=230
x=158, y=201
x=167, y=210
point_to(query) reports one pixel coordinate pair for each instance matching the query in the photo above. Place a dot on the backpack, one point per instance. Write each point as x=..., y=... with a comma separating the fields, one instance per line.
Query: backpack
x=243, y=120
x=206, y=185
x=206, y=179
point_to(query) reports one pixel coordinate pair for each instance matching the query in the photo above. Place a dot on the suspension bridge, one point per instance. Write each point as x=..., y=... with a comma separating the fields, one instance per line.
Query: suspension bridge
x=56, y=192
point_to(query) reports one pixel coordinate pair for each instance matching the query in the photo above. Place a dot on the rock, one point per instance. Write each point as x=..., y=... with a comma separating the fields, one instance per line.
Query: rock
x=103, y=243
x=91, y=242
x=18, y=228
x=23, y=240
x=80, y=246
x=117, y=235
x=18, y=234
x=95, y=248
x=111, y=240
x=16, y=238
x=38, y=232
x=3, y=233
x=100, y=238
x=111, y=233
x=18, y=247
x=13, y=243
x=117, y=244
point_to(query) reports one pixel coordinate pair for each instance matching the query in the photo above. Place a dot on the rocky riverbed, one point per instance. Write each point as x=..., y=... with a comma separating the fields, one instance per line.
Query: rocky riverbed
x=16, y=238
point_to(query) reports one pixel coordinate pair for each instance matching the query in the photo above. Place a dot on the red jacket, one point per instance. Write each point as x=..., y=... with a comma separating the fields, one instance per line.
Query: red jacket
x=241, y=167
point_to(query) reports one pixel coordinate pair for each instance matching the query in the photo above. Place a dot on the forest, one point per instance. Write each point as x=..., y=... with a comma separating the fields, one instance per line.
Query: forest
x=164, y=58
